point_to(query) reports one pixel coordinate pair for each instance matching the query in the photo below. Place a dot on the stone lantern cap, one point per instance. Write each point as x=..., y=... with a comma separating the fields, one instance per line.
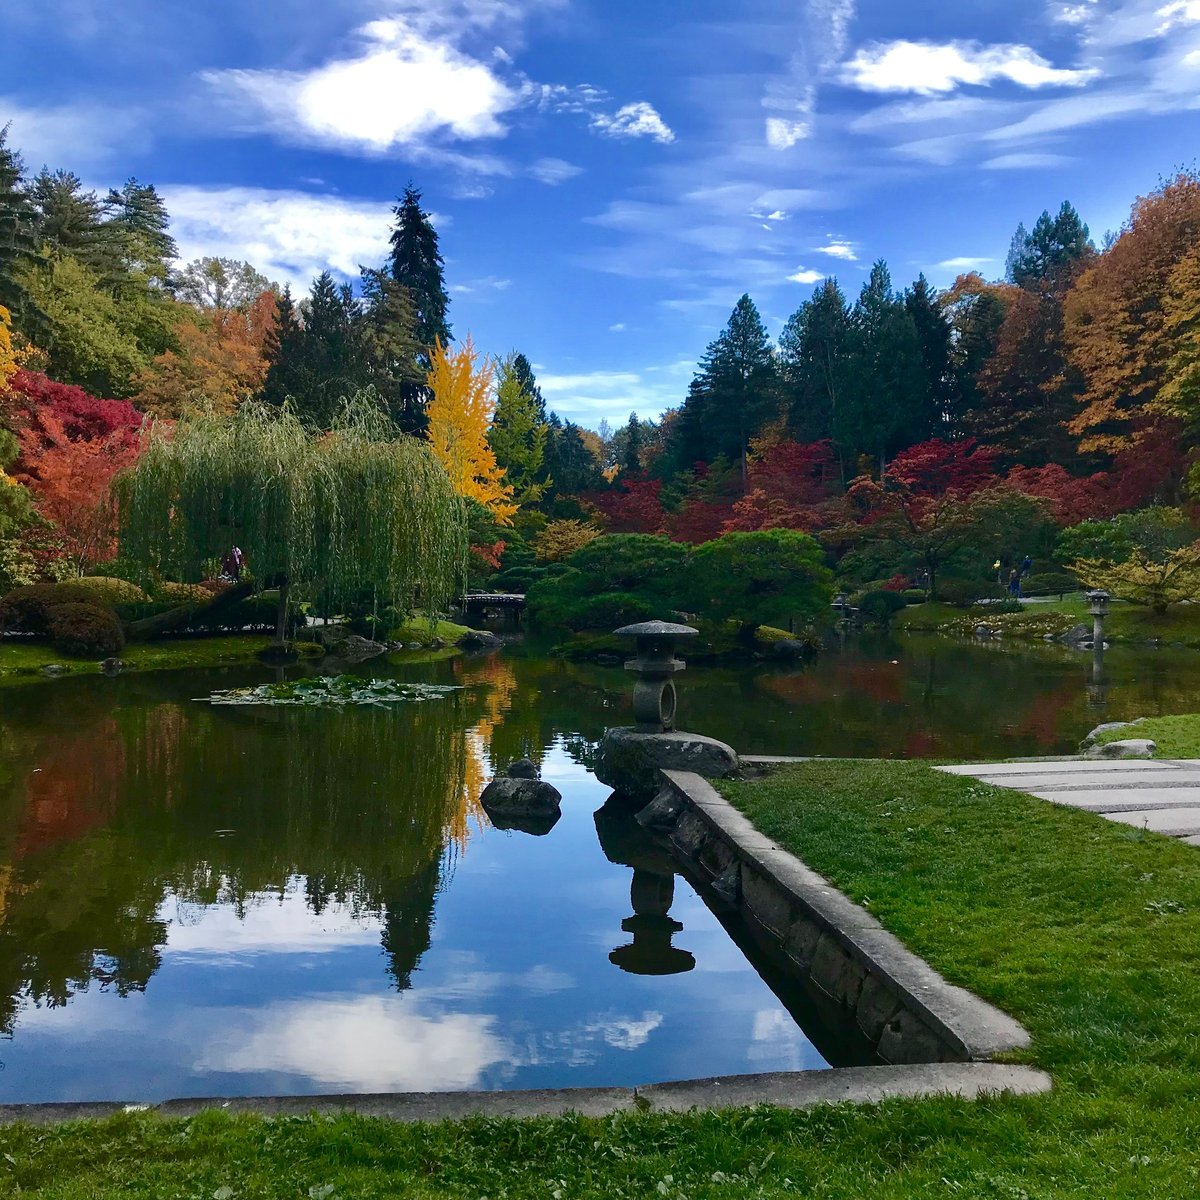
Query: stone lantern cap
x=1098, y=601
x=656, y=629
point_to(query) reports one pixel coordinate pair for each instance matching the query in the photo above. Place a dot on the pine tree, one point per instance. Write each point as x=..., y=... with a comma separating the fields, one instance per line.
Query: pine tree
x=523, y=373
x=934, y=338
x=331, y=365
x=285, y=352
x=70, y=220
x=631, y=451
x=518, y=436
x=814, y=357
x=390, y=352
x=138, y=214
x=1051, y=251
x=571, y=466
x=417, y=264
x=18, y=245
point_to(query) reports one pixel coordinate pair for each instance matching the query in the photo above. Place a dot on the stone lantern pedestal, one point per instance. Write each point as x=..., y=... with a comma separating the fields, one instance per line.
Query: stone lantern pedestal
x=631, y=757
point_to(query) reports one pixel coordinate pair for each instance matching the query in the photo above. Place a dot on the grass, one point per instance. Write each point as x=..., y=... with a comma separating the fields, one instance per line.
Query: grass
x=417, y=629
x=1125, y=623
x=1174, y=737
x=24, y=661
x=1084, y=930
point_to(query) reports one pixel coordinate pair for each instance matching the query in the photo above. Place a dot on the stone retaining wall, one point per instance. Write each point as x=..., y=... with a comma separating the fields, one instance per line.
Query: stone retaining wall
x=907, y=1011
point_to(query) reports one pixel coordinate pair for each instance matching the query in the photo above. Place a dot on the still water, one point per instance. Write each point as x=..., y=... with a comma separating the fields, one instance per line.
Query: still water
x=199, y=900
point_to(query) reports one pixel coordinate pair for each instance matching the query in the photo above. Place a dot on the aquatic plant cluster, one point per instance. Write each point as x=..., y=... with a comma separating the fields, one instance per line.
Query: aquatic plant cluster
x=331, y=691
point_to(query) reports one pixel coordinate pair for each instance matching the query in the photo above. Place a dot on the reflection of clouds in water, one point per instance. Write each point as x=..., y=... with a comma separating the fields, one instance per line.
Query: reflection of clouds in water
x=389, y=1044
x=367, y=1044
x=270, y=924
x=777, y=1036
x=465, y=982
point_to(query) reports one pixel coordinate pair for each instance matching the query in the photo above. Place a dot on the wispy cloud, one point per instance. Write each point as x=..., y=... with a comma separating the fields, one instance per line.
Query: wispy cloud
x=1027, y=161
x=842, y=250
x=964, y=263
x=927, y=68
x=637, y=120
x=476, y=287
x=553, y=171
x=807, y=275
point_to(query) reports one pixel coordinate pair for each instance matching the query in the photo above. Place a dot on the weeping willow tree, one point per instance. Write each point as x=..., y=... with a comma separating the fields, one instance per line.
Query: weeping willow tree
x=359, y=508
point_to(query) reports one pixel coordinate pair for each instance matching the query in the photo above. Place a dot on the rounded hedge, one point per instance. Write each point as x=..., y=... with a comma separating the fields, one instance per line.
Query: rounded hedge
x=85, y=630
x=27, y=609
x=111, y=590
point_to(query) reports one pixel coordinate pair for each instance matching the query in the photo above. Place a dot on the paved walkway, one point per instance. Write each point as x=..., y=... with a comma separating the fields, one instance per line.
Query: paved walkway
x=1162, y=795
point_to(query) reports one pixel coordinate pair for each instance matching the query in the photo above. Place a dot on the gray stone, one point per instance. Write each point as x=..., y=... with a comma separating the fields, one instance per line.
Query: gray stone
x=837, y=974
x=414, y=646
x=983, y=631
x=1094, y=736
x=515, y=797
x=801, y=942
x=523, y=768
x=54, y=669
x=769, y=903
x=1077, y=635
x=656, y=629
x=112, y=666
x=663, y=812
x=479, y=639
x=350, y=647
x=790, y=649
x=630, y=761
x=1130, y=748
x=437, y=644
x=907, y=1039
x=690, y=834
x=728, y=885
x=878, y=1004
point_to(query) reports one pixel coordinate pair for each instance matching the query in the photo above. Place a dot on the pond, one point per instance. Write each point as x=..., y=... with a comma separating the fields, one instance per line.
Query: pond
x=201, y=900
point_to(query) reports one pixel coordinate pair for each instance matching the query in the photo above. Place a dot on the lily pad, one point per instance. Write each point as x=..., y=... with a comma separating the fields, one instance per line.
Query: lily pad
x=336, y=691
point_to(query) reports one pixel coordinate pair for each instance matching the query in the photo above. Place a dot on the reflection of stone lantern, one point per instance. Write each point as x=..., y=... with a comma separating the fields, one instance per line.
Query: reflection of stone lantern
x=1098, y=607
x=840, y=602
x=654, y=664
x=651, y=952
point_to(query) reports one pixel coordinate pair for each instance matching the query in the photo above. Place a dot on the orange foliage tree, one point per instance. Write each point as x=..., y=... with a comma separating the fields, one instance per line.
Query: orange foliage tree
x=1118, y=320
x=70, y=482
x=460, y=413
x=221, y=361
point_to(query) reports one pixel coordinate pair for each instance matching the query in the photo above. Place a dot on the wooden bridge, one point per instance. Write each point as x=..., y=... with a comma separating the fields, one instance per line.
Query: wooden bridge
x=510, y=603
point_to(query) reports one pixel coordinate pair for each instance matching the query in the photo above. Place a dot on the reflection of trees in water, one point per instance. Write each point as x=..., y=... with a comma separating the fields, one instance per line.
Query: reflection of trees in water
x=358, y=803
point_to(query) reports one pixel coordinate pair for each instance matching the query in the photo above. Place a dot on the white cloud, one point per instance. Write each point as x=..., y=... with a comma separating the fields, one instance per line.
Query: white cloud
x=804, y=275
x=842, y=250
x=474, y=286
x=553, y=171
x=289, y=236
x=783, y=134
x=1027, y=162
x=1074, y=14
x=619, y=327
x=404, y=87
x=928, y=68
x=73, y=135
x=635, y=120
x=964, y=263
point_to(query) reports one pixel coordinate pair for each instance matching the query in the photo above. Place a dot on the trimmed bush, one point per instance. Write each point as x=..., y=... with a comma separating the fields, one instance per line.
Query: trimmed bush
x=28, y=608
x=962, y=593
x=112, y=591
x=1050, y=583
x=913, y=596
x=184, y=593
x=878, y=608
x=85, y=630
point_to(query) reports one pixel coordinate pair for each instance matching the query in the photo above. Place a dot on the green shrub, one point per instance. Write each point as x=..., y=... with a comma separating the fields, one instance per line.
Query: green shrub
x=129, y=570
x=962, y=593
x=256, y=614
x=184, y=593
x=913, y=596
x=112, y=591
x=28, y=609
x=878, y=608
x=1006, y=606
x=85, y=630
x=1050, y=583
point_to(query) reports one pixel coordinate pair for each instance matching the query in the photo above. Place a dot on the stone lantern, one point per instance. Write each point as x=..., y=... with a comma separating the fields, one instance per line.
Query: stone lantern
x=654, y=663
x=1098, y=601
x=841, y=602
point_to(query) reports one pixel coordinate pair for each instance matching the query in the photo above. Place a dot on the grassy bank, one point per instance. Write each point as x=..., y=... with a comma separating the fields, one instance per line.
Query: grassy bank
x=1175, y=737
x=1083, y=929
x=1125, y=623
x=24, y=660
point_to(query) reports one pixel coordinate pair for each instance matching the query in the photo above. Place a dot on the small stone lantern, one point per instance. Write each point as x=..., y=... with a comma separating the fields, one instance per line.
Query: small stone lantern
x=1098, y=607
x=840, y=602
x=654, y=664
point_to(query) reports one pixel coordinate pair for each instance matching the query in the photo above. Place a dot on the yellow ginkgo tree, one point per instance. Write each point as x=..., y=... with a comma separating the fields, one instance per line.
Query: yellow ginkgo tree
x=460, y=410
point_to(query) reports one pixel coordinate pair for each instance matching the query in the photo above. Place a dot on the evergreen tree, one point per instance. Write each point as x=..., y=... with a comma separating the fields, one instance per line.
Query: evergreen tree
x=814, y=356
x=522, y=372
x=737, y=389
x=285, y=352
x=18, y=245
x=390, y=354
x=571, y=466
x=631, y=451
x=417, y=264
x=934, y=338
x=70, y=220
x=518, y=435
x=975, y=311
x=1050, y=252
x=138, y=214
x=331, y=364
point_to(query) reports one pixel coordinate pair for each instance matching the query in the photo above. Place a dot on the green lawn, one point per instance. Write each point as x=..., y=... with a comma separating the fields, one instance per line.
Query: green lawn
x=1175, y=737
x=1085, y=930
x=1125, y=623
x=20, y=661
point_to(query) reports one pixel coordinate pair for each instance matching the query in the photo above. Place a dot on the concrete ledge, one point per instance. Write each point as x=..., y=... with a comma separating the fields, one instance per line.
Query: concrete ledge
x=797, y=1089
x=845, y=951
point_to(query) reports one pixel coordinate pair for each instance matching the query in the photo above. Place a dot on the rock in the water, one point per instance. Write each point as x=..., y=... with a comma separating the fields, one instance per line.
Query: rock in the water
x=663, y=812
x=1077, y=635
x=532, y=823
x=54, y=669
x=1093, y=737
x=353, y=649
x=790, y=649
x=112, y=666
x=1130, y=748
x=512, y=797
x=523, y=768
x=479, y=639
x=629, y=760
x=983, y=631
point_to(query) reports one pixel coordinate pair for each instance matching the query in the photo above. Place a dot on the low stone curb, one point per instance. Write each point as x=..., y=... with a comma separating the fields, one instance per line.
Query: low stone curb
x=795, y=1089
x=908, y=1012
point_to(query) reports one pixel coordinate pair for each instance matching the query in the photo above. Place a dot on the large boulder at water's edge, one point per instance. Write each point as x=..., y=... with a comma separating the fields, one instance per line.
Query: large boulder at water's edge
x=629, y=760
x=529, y=805
x=479, y=639
x=1130, y=748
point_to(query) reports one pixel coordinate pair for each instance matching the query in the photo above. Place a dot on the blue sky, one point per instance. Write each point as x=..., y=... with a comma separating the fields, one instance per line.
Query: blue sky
x=609, y=176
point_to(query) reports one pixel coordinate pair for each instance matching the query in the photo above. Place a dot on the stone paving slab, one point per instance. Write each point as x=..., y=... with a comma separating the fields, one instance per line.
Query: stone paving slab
x=1162, y=795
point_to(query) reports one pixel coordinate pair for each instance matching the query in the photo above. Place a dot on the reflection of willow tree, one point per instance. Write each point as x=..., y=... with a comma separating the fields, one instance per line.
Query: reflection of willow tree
x=356, y=803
